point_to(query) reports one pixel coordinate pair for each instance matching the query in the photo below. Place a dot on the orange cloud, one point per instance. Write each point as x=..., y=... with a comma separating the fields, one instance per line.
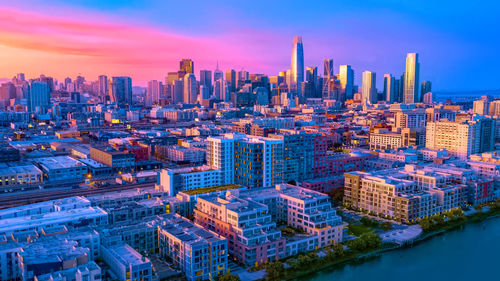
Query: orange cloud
x=33, y=43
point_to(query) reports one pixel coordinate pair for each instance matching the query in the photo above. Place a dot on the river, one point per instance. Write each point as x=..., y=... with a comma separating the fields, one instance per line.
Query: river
x=470, y=253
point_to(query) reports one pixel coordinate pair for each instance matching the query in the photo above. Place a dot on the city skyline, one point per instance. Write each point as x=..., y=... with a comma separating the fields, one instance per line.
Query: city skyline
x=94, y=39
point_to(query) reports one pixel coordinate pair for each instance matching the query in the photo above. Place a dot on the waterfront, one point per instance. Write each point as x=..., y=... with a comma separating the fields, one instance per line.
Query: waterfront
x=465, y=254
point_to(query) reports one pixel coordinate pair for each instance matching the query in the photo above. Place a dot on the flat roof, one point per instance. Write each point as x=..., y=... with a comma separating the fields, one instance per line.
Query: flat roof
x=126, y=255
x=24, y=169
x=58, y=162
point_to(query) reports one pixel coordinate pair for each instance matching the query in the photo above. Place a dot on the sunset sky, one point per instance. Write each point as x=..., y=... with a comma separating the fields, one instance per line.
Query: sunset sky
x=458, y=42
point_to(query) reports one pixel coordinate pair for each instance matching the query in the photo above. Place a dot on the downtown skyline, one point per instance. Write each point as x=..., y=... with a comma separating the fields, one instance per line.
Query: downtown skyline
x=63, y=40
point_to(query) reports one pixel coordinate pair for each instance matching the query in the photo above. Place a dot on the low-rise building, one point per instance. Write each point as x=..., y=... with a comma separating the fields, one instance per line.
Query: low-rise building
x=126, y=263
x=62, y=168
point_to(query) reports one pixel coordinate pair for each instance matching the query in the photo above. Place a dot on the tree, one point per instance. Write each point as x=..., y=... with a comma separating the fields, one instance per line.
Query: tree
x=386, y=225
x=425, y=224
x=275, y=270
x=337, y=196
x=229, y=277
x=371, y=239
x=339, y=249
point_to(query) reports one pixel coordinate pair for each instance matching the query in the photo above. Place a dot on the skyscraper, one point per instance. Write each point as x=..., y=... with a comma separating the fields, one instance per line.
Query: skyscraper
x=7, y=91
x=425, y=87
x=389, y=88
x=311, y=79
x=346, y=77
x=297, y=64
x=120, y=89
x=411, y=84
x=186, y=66
x=218, y=74
x=178, y=91
x=231, y=79
x=328, y=67
x=190, y=93
x=153, y=92
x=102, y=87
x=38, y=95
x=369, y=90
x=206, y=79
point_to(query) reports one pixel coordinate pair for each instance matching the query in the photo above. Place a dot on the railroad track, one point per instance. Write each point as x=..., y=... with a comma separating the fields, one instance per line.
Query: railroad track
x=24, y=199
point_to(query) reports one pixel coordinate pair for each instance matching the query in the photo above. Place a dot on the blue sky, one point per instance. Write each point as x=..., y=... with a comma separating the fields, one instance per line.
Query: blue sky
x=457, y=40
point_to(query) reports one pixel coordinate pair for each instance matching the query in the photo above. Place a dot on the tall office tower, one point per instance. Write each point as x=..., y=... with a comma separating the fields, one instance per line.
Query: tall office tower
x=172, y=77
x=389, y=88
x=7, y=92
x=346, y=77
x=38, y=95
x=243, y=75
x=206, y=79
x=411, y=84
x=298, y=154
x=369, y=90
x=297, y=63
x=178, y=91
x=186, y=66
x=258, y=162
x=494, y=108
x=461, y=139
x=397, y=94
x=311, y=79
x=190, y=91
x=120, y=90
x=425, y=88
x=218, y=74
x=204, y=92
x=20, y=76
x=102, y=86
x=153, y=92
x=328, y=67
x=220, y=155
x=231, y=79
x=67, y=81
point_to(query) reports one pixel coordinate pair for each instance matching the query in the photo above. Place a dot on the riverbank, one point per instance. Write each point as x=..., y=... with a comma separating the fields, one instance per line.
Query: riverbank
x=354, y=257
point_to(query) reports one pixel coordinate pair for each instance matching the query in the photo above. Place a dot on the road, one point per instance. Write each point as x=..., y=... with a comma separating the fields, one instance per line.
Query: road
x=19, y=199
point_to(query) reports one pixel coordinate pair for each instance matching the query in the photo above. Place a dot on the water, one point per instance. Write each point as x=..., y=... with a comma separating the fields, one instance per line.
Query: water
x=471, y=253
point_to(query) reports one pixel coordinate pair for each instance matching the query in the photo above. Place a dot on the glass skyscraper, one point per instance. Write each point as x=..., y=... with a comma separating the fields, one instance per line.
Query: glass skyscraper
x=297, y=65
x=411, y=84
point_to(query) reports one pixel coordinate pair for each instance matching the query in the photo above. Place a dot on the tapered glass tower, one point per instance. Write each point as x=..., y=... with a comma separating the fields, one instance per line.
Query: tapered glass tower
x=297, y=65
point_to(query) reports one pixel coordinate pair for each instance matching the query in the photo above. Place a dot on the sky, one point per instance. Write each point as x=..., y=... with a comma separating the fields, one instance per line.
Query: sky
x=458, y=41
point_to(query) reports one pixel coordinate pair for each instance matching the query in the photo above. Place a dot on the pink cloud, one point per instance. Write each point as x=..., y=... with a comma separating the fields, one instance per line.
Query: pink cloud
x=102, y=47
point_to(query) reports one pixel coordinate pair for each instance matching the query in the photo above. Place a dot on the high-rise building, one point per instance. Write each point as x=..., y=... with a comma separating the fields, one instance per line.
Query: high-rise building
x=206, y=79
x=186, y=66
x=328, y=67
x=231, y=79
x=172, y=77
x=178, y=91
x=311, y=79
x=389, y=88
x=428, y=98
x=20, y=76
x=220, y=155
x=298, y=154
x=190, y=91
x=369, y=90
x=120, y=90
x=258, y=162
x=7, y=91
x=102, y=87
x=425, y=88
x=412, y=73
x=481, y=106
x=38, y=95
x=297, y=63
x=346, y=77
x=153, y=92
x=218, y=74
x=461, y=139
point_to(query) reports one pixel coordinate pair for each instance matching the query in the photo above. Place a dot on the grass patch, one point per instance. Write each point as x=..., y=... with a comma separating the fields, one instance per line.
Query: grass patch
x=358, y=229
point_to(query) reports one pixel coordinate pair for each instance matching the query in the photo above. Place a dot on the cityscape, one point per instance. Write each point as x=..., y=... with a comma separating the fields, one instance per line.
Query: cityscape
x=223, y=172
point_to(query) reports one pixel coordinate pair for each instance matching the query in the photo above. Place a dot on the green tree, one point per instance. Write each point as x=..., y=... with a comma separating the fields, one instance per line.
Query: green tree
x=371, y=239
x=229, y=277
x=386, y=225
x=425, y=224
x=339, y=249
x=275, y=270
